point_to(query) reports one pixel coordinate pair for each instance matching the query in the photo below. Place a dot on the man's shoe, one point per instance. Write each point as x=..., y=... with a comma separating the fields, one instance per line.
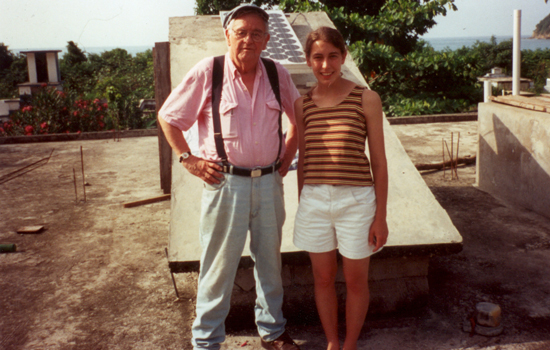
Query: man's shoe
x=284, y=342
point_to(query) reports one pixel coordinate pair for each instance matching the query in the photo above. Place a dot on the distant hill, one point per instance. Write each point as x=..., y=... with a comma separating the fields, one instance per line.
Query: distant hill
x=542, y=30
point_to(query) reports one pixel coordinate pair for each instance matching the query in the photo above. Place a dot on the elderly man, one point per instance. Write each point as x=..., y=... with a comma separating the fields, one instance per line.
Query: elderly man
x=242, y=160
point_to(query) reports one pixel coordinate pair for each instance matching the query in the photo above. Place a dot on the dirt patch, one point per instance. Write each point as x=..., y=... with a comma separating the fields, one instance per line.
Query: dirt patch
x=97, y=277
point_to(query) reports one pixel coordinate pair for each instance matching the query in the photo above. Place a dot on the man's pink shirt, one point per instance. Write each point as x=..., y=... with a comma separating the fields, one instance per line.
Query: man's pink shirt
x=249, y=123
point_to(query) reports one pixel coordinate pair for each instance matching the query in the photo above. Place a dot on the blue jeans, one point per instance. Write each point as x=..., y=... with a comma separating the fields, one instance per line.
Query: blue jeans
x=229, y=210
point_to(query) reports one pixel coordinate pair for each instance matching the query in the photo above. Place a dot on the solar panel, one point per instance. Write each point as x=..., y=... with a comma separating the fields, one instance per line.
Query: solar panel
x=283, y=45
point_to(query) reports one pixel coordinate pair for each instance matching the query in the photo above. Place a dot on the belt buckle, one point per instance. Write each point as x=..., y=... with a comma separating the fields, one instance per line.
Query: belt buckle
x=256, y=172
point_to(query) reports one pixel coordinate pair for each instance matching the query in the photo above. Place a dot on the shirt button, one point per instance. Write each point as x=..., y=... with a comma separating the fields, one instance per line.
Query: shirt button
x=254, y=124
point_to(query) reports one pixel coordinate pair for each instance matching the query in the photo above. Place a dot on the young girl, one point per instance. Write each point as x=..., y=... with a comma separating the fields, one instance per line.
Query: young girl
x=340, y=205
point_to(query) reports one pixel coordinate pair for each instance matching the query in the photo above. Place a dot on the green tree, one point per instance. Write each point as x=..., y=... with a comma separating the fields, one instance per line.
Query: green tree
x=74, y=55
x=100, y=91
x=13, y=71
x=213, y=7
x=535, y=64
x=384, y=39
x=397, y=23
x=380, y=34
x=76, y=72
x=123, y=80
x=6, y=58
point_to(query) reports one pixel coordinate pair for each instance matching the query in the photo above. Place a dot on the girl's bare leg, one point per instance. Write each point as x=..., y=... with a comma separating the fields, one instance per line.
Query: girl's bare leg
x=324, y=267
x=356, y=273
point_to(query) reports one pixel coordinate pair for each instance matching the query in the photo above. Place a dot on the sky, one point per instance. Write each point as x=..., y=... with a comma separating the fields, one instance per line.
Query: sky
x=49, y=24
x=489, y=17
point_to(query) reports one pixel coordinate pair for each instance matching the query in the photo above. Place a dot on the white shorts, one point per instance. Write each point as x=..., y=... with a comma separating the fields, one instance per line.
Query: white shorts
x=331, y=216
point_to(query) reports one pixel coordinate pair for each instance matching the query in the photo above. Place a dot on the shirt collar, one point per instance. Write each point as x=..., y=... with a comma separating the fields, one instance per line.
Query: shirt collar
x=233, y=70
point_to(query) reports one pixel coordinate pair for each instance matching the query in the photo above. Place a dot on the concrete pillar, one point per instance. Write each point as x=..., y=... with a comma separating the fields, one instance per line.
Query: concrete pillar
x=53, y=71
x=516, y=64
x=487, y=90
x=31, y=65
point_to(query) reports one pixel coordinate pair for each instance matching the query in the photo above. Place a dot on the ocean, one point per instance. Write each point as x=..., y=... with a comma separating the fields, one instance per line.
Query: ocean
x=438, y=44
x=133, y=50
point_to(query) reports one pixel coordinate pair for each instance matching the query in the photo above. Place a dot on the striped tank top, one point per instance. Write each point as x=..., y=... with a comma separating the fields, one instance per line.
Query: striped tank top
x=335, y=142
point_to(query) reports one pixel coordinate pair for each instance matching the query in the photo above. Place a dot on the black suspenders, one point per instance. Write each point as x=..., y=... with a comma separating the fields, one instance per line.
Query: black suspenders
x=217, y=84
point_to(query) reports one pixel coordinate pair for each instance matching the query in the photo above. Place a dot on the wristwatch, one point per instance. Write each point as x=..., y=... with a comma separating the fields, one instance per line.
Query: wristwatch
x=184, y=156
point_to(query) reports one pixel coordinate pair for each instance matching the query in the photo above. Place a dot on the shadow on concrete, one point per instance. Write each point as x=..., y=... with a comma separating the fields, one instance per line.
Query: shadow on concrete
x=505, y=259
x=298, y=308
x=511, y=172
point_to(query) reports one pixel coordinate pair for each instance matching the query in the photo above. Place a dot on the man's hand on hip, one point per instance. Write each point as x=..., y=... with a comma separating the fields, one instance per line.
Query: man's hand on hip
x=205, y=170
x=286, y=161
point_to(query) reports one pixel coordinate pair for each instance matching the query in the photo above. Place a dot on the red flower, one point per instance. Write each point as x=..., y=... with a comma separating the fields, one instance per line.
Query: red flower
x=28, y=130
x=1, y=130
x=101, y=125
x=44, y=85
x=75, y=113
x=78, y=132
x=44, y=125
x=96, y=101
x=101, y=117
x=105, y=105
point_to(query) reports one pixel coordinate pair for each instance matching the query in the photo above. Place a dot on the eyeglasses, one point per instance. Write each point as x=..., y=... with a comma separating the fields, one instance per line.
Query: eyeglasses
x=256, y=36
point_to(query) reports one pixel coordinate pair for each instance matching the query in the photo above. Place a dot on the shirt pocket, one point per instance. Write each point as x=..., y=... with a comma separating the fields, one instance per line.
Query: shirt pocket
x=228, y=121
x=273, y=105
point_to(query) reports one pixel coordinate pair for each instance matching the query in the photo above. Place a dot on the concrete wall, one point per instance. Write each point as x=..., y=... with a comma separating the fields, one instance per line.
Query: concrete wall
x=514, y=155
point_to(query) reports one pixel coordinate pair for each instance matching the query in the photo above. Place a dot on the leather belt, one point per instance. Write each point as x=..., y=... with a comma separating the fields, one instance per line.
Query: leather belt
x=256, y=172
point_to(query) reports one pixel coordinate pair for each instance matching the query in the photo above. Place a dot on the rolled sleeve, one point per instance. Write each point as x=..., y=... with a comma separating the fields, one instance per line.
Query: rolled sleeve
x=186, y=102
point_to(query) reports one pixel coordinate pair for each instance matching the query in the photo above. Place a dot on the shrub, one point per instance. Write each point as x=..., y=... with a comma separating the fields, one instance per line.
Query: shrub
x=50, y=111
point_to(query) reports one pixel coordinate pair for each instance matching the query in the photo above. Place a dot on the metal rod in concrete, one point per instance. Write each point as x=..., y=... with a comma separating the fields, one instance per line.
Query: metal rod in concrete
x=452, y=156
x=456, y=160
x=83, y=178
x=516, y=61
x=443, y=152
x=74, y=180
x=173, y=279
